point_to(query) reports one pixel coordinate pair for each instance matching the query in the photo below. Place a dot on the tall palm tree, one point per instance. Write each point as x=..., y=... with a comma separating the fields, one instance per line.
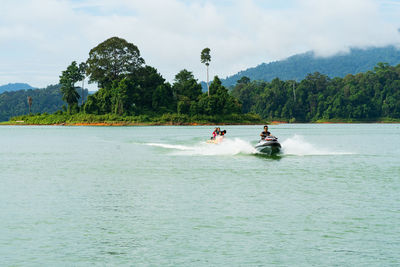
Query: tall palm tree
x=82, y=71
x=205, y=58
x=68, y=79
x=30, y=103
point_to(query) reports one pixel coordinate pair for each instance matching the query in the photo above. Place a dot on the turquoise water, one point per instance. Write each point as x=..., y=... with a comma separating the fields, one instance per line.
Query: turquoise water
x=161, y=196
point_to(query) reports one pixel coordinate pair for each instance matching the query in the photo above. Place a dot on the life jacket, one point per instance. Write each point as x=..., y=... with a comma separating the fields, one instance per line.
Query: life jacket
x=265, y=134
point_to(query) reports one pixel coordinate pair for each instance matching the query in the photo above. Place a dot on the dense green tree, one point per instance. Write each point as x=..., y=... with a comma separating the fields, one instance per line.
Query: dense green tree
x=147, y=81
x=248, y=93
x=184, y=105
x=112, y=60
x=119, y=97
x=45, y=100
x=185, y=85
x=219, y=102
x=68, y=79
x=130, y=95
x=102, y=100
x=365, y=96
x=91, y=105
x=243, y=80
x=163, y=99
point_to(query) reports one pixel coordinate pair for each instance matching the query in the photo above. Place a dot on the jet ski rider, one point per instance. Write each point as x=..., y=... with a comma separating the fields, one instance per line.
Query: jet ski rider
x=265, y=133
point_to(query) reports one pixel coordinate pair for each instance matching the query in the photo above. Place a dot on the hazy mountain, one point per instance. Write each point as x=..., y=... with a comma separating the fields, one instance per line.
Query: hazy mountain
x=298, y=66
x=14, y=87
x=47, y=100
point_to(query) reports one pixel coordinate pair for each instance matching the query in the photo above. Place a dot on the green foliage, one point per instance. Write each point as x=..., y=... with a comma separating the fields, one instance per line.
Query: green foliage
x=146, y=91
x=163, y=99
x=68, y=79
x=60, y=118
x=131, y=93
x=243, y=80
x=147, y=80
x=43, y=100
x=184, y=105
x=119, y=97
x=186, y=86
x=205, y=56
x=362, y=97
x=219, y=102
x=112, y=60
x=127, y=88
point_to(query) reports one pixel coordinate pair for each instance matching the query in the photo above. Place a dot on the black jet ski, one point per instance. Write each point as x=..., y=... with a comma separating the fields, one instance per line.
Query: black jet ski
x=269, y=145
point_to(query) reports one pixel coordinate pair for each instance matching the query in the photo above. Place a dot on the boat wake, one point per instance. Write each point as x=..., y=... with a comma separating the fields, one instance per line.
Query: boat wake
x=227, y=147
x=297, y=146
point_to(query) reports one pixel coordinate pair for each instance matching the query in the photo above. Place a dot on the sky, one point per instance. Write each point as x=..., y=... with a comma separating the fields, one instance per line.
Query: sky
x=40, y=38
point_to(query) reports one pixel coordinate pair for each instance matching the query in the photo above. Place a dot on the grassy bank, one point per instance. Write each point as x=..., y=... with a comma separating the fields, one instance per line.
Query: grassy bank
x=337, y=120
x=375, y=120
x=165, y=119
x=112, y=119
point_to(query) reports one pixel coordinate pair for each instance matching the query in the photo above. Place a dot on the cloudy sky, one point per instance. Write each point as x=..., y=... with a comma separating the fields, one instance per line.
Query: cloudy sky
x=40, y=38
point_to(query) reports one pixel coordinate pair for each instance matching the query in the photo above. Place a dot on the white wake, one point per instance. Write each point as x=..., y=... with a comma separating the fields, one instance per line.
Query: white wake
x=227, y=147
x=297, y=145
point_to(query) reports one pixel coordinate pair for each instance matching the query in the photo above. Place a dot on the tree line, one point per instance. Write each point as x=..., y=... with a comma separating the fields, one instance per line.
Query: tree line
x=365, y=96
x=129, y=87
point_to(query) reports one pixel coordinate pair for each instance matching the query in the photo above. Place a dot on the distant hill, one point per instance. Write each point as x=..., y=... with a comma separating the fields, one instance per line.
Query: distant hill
x=298, y=66
x=47, y=100
x=14, y=87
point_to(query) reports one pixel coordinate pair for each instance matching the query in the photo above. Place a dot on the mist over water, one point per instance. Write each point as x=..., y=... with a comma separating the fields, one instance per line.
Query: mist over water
x=162, y=196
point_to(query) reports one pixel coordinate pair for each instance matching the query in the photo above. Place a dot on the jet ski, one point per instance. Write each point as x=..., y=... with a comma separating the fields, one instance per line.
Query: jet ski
x=216, y=140
x=269, y=145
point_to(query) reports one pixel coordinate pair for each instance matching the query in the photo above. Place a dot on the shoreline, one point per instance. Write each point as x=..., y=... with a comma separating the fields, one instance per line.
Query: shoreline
x=172, y=119
x=121, y=124
x=130, y=124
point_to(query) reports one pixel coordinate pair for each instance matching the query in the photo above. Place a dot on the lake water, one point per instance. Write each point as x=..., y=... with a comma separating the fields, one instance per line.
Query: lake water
x=161, y=196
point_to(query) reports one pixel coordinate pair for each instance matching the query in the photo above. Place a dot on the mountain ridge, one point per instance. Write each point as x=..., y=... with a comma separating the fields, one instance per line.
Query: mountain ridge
x=49, y=100
x=11, y=87
x=298, y=66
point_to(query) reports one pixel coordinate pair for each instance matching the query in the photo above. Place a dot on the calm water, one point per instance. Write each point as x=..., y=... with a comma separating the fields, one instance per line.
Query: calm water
x=160, y=196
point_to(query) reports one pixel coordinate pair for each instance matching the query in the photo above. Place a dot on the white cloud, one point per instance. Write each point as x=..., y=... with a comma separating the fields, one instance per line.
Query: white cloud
x=38, y=39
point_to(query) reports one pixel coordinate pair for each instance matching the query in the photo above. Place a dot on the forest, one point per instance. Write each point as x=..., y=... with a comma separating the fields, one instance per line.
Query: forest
x=47, y=100
x=369, y=96
x=129, y=87
x=130, y=90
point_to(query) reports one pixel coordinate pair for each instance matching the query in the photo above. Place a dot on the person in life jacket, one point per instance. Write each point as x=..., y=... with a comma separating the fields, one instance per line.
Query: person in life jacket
x=265, y=133
x=214, y=134
x=221, y=135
